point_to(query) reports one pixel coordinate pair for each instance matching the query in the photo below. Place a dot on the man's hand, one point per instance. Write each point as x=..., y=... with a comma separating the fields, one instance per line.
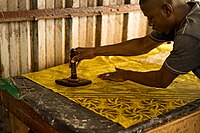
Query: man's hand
x=82, y=53
x=119, y=75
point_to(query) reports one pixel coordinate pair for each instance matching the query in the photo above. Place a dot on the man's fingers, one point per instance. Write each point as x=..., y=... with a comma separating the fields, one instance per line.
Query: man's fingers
x=117, y=68
x=113, y=76
x=78, y=62
x=104, y=76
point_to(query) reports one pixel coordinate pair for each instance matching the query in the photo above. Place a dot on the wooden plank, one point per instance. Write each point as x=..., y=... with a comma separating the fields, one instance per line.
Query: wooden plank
x=125, y=23
x=71, y=30
x=59, y=35
x=82, y=26
x=137, y=23
x=98, y=31
x=118, y=25
x=36, y=14
x=143, y=24
x=26, y=114
x=68, y=31
x=49, y=37
x=41, y=39
x=91, y=26
x=16, y=125
x=14, y=41
x=4, y=44
x=104, y=26
x=25, y=46
x=34, y=39
x=131, y=24
x=111, y=25
x=75, y=27
x=125, y=27
x=186, y=124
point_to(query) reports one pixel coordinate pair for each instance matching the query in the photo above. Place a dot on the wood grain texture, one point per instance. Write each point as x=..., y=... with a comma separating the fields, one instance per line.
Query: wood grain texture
x=35, y=45
x=50, y=37
x=14, y=33
x=187, y=124
x=59, y=36
x=4, y=44
x=91, y=26
x=41, y=39
x=25, y=43
x=82, y=26
x=104, y=26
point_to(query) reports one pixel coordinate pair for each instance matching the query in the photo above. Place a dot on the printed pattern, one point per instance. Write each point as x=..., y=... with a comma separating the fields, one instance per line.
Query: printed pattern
x=126, y=103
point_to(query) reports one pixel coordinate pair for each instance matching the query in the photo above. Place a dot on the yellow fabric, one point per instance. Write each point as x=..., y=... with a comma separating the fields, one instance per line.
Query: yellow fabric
x=126, y=103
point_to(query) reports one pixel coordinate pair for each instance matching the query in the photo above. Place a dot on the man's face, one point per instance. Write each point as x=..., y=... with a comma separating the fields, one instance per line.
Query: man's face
x=157, y=18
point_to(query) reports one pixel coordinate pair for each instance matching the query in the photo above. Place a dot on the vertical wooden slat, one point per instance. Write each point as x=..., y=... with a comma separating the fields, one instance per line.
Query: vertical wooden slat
x=4, y=44
x=75, y=27
x=71, y=29
x=49, y=37
x=16, y=125
x=14, y=41
x=125, y=23
x=25, y=46
x=63, y=36
x=91, y=26
x=143, y=25
x=82, y=26
x=34, y=39
x=59, y=36
x=125, y=27
x=131, y=23
x=98, y=31
x=41, y=39
x=118, y=24
x=68, y=31
x=111, y=25
x=104, y=26
x=136, y=30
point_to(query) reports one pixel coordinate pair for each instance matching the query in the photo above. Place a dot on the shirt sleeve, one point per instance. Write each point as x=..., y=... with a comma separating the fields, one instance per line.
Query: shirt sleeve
x=162, y=37
x=185, y=55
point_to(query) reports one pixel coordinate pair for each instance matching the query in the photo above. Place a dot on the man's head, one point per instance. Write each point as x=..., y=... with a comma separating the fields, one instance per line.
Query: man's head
x=162, y=14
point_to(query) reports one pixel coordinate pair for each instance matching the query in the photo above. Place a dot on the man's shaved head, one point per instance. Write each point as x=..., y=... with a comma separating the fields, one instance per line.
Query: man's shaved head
x=142, y=2
x=164, y=15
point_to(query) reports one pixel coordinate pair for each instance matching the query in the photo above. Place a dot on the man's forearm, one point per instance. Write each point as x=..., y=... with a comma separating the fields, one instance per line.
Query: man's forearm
x=127, y=48
x=132, y=47
x=152, y=79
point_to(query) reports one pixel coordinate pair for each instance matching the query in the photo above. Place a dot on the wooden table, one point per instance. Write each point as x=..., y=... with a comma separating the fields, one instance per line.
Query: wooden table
x=45, y=111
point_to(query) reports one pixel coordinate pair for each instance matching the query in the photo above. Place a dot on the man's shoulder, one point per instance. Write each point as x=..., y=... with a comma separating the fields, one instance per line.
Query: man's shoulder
x=192, y=25
x=191, y=30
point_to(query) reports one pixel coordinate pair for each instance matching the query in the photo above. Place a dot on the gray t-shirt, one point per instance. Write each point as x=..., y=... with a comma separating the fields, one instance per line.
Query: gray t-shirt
x=185, y=55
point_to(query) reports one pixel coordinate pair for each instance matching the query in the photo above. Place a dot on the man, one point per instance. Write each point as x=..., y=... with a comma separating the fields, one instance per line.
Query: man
x=172, y=20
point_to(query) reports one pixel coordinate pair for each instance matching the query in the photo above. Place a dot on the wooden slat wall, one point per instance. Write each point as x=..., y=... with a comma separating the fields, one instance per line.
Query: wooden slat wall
x=35, y=45
x=24, y=41
x=59, y=36
x=4, y=44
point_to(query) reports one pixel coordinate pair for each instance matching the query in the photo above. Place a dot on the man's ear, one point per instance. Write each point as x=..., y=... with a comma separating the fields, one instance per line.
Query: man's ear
x=167, y=10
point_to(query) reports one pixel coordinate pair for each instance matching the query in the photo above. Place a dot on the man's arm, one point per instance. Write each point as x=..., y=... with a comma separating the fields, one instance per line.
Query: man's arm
x=161, y=78
x=132, y=47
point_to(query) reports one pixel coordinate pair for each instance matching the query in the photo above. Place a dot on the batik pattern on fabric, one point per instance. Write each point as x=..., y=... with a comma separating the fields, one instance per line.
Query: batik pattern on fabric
x=126, y=103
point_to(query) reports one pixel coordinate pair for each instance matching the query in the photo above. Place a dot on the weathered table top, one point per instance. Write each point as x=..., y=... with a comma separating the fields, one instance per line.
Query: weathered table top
x=59, y=114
